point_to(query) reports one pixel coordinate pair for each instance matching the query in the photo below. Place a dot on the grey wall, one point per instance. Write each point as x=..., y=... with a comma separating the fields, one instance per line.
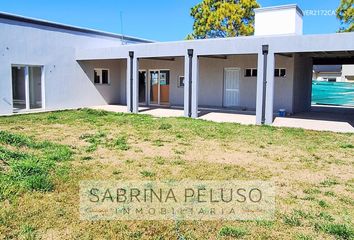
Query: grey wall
x=211, y=77
x=302, y=83
x=66, y=83
x=114, y=92
x=283, y=86
x=211, y=80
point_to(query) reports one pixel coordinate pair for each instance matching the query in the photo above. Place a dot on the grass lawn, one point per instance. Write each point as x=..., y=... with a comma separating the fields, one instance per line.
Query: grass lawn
x=44, y=156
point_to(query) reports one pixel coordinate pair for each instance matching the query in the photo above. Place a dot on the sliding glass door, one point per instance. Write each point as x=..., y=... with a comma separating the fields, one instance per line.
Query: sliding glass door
x=159, y=87
x=26, y=87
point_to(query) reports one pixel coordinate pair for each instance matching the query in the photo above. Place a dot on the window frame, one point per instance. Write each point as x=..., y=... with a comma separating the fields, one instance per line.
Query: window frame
x=253, y=70
x=179, y=82
x=100, y=74
x=279, y=72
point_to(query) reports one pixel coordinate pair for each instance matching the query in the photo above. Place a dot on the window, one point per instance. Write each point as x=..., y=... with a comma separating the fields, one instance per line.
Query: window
x=180, y=82
x=280, y=72
x=251, y=72
x=101, y=76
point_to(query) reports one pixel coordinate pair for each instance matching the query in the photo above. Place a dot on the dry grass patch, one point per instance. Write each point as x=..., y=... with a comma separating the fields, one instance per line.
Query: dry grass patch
x=313, y=172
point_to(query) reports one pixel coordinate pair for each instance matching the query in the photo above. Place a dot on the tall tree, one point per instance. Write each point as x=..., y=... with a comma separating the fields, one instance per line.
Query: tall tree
x=223, y=18
x=345, y=13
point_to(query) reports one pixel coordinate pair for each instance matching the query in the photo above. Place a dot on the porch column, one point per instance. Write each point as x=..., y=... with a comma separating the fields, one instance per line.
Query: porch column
x=269, y=103
x=191, y=82
x=195, y=86
x=261, y=84
x=132, y=84
x=188, y=61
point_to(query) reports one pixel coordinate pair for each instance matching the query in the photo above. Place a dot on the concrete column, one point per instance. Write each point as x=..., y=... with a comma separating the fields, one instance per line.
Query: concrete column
x=195, y=86
x=269, y=106
x=188, y=58
x=132, y=83
x=260, y=83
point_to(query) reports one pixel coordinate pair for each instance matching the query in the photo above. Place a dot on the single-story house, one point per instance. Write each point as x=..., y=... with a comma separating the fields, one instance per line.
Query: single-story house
x=46, y=65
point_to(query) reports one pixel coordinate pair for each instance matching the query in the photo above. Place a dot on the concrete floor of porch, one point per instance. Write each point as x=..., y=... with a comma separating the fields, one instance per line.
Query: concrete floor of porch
x=319, y=119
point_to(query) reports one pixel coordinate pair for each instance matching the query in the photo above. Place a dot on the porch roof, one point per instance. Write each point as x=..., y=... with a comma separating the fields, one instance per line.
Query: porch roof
x=338, y=42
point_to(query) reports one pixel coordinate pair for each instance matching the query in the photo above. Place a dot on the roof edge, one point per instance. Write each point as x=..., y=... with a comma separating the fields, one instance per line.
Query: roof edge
x=41, y=22
x=288, y=6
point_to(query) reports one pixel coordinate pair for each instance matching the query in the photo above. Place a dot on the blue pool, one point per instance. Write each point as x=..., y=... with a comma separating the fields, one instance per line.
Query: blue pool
x=333, y=93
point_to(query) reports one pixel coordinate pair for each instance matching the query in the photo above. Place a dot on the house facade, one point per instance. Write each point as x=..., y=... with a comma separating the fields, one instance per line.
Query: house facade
x=51, y=66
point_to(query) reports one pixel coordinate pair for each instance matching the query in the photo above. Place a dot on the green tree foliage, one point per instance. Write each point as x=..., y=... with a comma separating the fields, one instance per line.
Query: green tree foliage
x=345, y=13
x=223, y=18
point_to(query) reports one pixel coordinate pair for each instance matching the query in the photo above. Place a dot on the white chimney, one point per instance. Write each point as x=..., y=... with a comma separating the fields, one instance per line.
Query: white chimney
x=277, y=20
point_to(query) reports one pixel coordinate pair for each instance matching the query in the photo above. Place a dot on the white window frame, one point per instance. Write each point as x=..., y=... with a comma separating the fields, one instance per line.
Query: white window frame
x=279, y=69
x=252, y=70
x=99, y=72
x=179, y=82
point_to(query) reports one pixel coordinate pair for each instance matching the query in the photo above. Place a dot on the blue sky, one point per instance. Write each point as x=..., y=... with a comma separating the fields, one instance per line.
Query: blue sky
x=161, y=20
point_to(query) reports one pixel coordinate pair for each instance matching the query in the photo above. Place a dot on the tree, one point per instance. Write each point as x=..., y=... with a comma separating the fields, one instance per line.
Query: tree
x=345, y=14
x=223, y=18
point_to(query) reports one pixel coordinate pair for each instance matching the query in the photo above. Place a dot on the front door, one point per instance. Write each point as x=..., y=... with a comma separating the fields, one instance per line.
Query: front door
x=159, y=87
x=231, y=87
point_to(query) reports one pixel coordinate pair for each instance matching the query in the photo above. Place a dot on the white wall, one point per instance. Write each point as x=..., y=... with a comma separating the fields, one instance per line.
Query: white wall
x=278, y=20
x=347, y=73
x=66, y=83
x=211, y=77
x=302, y=90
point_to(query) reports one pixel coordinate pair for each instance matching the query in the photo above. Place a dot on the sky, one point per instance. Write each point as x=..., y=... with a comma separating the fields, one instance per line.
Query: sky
x=160, y=20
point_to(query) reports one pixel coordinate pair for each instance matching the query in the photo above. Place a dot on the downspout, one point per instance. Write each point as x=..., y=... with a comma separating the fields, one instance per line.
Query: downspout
x=265, y=50
x=190, y=56
x=131, y=56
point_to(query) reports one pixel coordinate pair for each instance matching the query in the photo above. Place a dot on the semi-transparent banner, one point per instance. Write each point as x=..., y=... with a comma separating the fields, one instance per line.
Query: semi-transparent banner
x=177, y=200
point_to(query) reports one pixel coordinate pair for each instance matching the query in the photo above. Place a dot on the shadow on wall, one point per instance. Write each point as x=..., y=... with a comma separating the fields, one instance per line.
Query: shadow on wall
x=109, y=80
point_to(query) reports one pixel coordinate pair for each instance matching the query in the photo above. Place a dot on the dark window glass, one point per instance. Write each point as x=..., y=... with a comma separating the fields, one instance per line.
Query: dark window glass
x=276, y=72
x=181, y=81
x=254, y=72
x=282, y=72
x=248, y=73
x=105, y=77
x=97, y=77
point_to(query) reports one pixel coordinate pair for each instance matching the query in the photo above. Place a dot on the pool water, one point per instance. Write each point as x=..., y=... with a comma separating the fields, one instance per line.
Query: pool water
x=332, y=93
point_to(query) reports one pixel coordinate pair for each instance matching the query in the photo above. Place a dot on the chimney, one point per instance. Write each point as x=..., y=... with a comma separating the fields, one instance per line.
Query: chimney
x=278, y=20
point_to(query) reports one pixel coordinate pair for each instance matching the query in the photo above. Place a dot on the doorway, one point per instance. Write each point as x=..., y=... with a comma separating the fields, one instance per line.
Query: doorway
x=159, y=87
x=27, y=87
x=231, y=87
x=142, y=87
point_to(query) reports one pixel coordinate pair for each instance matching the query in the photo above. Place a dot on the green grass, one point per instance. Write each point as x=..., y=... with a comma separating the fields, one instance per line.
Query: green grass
x=341, y=231
x=235, y=232
x=28, y=171
x=39, y=186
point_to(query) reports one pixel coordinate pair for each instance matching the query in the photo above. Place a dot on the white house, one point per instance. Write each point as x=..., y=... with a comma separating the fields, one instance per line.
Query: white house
x=53, y=66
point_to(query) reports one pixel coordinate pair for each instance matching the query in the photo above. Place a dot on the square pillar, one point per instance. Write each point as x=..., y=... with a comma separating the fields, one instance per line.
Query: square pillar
x=269, y=103
x=132, y=83
x=195, y=86
x=187, y=79
x=261, y=81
